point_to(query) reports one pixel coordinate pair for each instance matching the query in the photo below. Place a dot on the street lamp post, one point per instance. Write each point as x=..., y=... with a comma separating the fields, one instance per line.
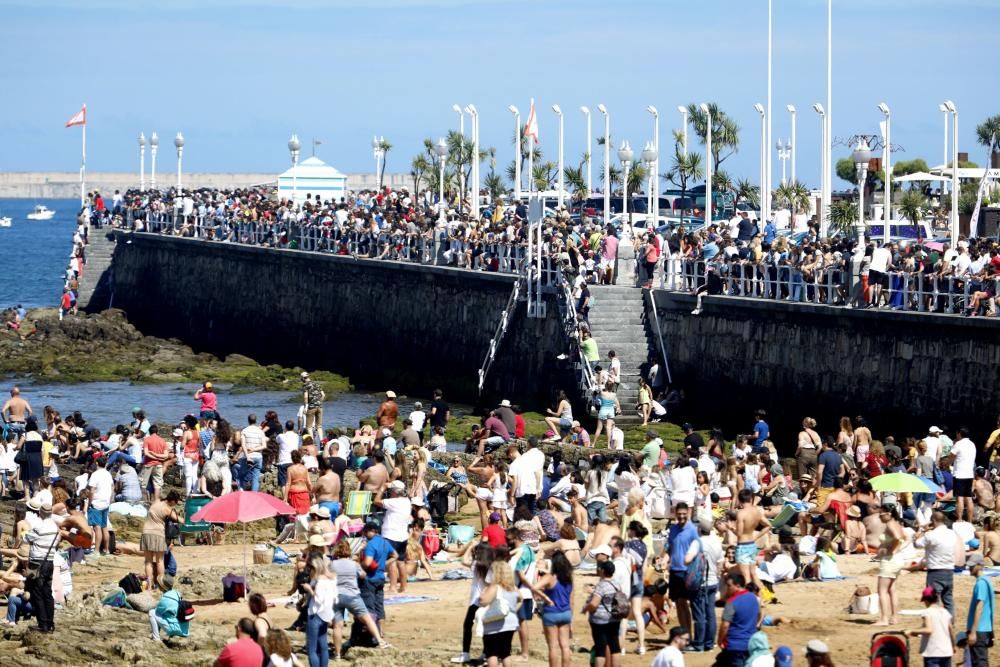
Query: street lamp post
x=708, y=164
x=474, y=114
x=953, y=110
x=861, y=156
x=154, y=142
x=179, y=144
x=887, y=167
x=293, y=149
x=378, y=153
x=461, y=133
x=517, y=151
x=558, y=111
x=142, y=162
x=823, y=185
x=766, y=192
x=649, y=157
x=784, y=152
x=828, y=125
x=607, y=162
x=793, y=144
x=442, y=153
x=759, y=108
x=590, y=182
x=654, y=190
x=944, y=161
x=684, y=126
x=625, y=154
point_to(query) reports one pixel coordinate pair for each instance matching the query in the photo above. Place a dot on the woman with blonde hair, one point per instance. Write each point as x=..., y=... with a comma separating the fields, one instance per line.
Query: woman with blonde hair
x=645, y=407
x=499, y=603
x=807, y=450
x=846, y=437
x=349, y=573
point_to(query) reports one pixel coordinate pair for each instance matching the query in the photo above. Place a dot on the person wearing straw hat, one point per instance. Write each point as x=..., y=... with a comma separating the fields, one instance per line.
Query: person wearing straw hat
x=163, y=617
x=43, y=540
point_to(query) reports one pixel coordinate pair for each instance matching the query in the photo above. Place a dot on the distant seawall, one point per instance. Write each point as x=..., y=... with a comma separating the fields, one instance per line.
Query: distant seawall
x=66, y=184
x=384, y=324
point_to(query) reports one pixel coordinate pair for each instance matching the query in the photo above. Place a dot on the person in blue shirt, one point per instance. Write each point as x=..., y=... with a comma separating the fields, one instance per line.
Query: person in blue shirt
x=979, y=624
x=770, y=232
x=683, y=545
x=377, y=555
x=761, y=431
x=163, y=618
x=739, y=622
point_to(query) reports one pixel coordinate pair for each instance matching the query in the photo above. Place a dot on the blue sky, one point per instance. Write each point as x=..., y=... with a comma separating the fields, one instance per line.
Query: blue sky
x=237, y=78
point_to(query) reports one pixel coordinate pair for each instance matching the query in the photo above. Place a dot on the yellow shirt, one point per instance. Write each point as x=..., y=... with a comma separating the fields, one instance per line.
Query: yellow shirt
x=47, y=448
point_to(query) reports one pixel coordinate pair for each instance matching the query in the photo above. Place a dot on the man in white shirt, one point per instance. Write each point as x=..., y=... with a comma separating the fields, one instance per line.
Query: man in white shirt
x=703, y=606
x=526, y=473
x=673, y=654
x=288, y=442
x=396, y=529
x=939, y=552
x=614, y=369
x=253, y=442
x=102, y=492
x=933, y=443
x=963, y=469
x=878, y=272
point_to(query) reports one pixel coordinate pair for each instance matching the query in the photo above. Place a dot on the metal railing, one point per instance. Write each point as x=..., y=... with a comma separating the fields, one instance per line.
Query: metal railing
x=832, y=286
x=659, y=336
x=505, y=317
x=570, y=321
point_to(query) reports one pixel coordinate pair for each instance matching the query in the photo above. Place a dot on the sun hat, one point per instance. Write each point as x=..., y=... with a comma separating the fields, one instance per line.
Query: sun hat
x=322, y=512
x=34, y=504
x=505, y=403
x=317, y=541
x=178, y=432
x=854, y=512
x=816, y=647
x=165, y=582
x=304, y=376
x=390, y=394
x=398, y=485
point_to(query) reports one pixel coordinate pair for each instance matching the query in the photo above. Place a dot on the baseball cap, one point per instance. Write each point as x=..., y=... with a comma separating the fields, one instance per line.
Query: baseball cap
x=390, y=394
x=494, y=517
x=783, y=657
x=934, y=429
x=398, y=485
x=975, y=559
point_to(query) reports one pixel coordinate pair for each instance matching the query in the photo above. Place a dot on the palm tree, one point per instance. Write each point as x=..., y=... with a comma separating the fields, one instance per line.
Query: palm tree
x=685, y=169
x=843, y=215
x=636, y=178
x=574, y=180
x=912, y=205
x=721, y=181
x=988, y=133
x=542, y=174
x=419, y=167
x=748, y=192
x=725, y=132
x=460, y=150
x=494, y=185
x=793, y=195
x=385, y=147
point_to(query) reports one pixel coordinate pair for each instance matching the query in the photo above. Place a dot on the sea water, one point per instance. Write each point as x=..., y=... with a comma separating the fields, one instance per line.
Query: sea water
x=35, y=253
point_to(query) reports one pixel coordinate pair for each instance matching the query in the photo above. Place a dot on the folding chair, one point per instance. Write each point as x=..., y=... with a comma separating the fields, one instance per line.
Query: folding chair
x=359, y=504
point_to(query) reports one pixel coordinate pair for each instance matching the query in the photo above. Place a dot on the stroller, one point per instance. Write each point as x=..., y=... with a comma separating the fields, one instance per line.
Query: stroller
x=890, y=649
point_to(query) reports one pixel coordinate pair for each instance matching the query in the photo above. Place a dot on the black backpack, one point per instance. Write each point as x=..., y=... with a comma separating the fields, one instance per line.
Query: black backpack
x=130, y=584
x=185, y=610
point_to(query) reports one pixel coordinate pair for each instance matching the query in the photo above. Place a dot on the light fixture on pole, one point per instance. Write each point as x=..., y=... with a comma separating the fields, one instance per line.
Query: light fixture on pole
x=766, y=191
x=944, y=161
x=590, y=181
x=474, y=114
x=294, y=146
x=887, y=171
x=558, y=112
x=142, y=162
x=759, y=108
x=708, y=164
x=625, y=154
x=684, y=126
x=784, y=152
x=442, y=152
x=793, y=144
x=822, y=214
x=953, y=110
x=607, y=162
x=179, y=144
x=154, y=143
x=457, y=108
x=654, y=194
x=378, y=153
x=649, y=157
x=517, y=151
x=861, y=156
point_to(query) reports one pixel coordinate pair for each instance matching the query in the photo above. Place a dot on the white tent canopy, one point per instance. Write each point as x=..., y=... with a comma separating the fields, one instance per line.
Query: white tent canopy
x=313, y=177
x=966, y=172
x=920, y=176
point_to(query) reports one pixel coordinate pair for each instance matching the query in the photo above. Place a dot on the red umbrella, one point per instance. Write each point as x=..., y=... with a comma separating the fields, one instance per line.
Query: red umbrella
x=242, y=507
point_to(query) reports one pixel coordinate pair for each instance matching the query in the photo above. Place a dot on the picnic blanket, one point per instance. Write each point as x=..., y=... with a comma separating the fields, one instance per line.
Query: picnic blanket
x=407, y=599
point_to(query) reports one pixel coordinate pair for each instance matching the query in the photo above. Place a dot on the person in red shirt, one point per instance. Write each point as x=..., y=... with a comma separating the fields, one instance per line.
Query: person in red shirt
x=494, y=533
x=518, y=422
x=245, y=651
x=155, y=455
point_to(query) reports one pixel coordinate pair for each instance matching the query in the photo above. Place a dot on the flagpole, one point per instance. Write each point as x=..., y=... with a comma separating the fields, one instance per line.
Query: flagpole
x=83, y=163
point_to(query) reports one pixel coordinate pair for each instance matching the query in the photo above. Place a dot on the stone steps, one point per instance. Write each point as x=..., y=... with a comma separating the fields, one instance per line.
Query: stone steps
x=97, y=271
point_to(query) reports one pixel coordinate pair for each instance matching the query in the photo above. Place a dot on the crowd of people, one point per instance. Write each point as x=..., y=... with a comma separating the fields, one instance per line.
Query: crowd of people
x=670, y=536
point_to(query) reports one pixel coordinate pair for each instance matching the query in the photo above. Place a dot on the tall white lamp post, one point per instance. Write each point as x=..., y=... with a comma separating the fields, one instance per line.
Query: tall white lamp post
x=590, y=181
x=684, y=126
x=474, y=114
x=607, y=162
x=821, y=213
x=766, y=192
x=377, y=153
x=784, y=152
x=759, y=108
x=708, y=164
x=953, y=110
x=442, y=153
x=649, y=156
x=861, y=156
x=142, y=162
x=558, y=111
x=457, y=108
x=293, y=150
x=654, y=194
x=179, y=144
x=828, y=126
x=887, y=167
x=625, y=154
x=154, y=142
x=793, y=144
x=944, y=161
x=517, y=151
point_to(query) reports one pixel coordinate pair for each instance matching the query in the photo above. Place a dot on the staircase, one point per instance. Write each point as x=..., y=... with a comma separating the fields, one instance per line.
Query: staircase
x=618, y=322
x=95, y=284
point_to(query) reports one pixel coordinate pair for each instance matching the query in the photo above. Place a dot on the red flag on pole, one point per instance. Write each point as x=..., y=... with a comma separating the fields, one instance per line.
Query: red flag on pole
x=531, y=127
x=79, y=119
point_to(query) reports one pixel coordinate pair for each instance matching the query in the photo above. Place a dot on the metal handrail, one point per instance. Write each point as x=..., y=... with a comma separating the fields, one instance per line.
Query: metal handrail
x=588, y=381
x=659, y=336
x=498, y=335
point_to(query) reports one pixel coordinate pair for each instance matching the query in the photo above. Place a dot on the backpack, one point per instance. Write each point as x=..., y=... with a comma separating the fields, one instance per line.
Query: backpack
x=431, y=542
x=697, y=571
x=185, y=610
x=233, y=588
x=130, y=584
x=938, y=476
x=620, y=606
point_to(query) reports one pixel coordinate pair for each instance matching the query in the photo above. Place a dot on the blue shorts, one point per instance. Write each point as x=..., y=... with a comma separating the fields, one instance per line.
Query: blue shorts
x=351, y=603
x=333, y=506
x=495, y=441
x=526, y=610
x=97, y=518
x=565, y=425
x=597, y=511
x=554, y=618
x=605, y=414
x=746, y=553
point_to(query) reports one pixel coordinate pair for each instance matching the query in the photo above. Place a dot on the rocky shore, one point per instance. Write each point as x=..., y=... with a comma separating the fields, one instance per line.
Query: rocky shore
x=107, y=348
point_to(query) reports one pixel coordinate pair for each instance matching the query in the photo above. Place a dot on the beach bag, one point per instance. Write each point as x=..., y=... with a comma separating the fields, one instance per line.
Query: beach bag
x=280, y=557
x=233, y=588
x=130, y=584
x=185, y=611
x=496, y=611
x=658, y=503
x=620, y=606
x=697, y=571
x=938, y=476
x=459, y=534
x=431, y=542
x=116, y=599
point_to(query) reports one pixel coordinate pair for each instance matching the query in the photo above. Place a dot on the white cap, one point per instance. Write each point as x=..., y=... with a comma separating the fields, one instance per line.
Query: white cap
x=604, y=549
x=398, y=485
x=934, y=429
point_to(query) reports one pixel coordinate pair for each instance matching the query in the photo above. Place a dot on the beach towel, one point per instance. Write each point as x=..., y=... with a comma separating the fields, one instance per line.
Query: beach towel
x=407, y=599
x=457, y=573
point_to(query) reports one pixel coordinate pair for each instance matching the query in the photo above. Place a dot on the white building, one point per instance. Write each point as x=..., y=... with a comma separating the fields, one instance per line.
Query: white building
x=313, y=177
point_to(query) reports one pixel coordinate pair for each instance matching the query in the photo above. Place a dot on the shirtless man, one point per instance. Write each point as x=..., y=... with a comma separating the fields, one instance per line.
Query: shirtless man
x=376, y=477
x=326, y=489
x=989, y=538
x=578, y=511
x=982, y=493
x=603, y=532
x=15, y=411
x=748, y=520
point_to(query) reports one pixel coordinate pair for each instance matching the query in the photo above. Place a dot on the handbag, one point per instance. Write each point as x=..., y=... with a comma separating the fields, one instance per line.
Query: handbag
x=496, y=611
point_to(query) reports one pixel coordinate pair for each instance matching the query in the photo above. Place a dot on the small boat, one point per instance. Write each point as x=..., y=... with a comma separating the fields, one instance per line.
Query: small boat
x=41, y=212
x=5, y=221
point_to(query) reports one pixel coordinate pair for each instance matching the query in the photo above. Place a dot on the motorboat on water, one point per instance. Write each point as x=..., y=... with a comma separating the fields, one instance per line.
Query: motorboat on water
x=41, y=212
x=5, y=221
